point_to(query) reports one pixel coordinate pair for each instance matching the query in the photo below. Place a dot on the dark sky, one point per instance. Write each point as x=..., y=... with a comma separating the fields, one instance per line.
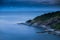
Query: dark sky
x=38, y=1
x=50, y=1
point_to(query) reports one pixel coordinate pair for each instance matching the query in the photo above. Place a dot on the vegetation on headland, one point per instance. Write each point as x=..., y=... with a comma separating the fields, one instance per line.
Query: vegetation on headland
x=56, y=26
x=49, y=19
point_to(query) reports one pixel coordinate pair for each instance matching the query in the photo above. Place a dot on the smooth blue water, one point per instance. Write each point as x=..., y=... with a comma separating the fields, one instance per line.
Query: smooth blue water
x=23, y=32
x=10, y=16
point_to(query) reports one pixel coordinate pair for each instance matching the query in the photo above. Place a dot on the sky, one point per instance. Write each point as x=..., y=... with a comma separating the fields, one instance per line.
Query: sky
x=50, y=1
x=38, y=1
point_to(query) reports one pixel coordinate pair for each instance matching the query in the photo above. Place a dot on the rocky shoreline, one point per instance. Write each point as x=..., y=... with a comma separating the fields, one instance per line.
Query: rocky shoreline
x=49, y=21
x=47, y=29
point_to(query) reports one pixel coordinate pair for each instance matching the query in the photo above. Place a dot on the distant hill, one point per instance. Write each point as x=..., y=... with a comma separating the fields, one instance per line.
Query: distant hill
x=49, y=19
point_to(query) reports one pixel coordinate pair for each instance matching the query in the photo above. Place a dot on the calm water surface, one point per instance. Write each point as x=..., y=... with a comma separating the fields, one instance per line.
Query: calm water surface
x=9, y=30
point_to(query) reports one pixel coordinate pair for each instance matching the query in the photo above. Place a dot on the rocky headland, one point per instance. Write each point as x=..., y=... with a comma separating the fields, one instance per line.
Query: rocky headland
x=49, y=21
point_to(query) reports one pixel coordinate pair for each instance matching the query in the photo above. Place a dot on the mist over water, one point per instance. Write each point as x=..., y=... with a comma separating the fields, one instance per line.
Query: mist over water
x=21, y=14
x=10, y=16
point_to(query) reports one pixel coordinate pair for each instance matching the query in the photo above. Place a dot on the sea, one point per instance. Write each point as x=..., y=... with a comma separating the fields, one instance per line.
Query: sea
x=10, y=16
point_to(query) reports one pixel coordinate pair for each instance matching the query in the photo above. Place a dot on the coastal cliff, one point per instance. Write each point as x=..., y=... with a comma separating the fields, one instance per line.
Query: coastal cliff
x=49, y=21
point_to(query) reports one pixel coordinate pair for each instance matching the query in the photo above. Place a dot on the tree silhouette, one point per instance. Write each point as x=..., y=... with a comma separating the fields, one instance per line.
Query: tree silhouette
x=28, y=21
